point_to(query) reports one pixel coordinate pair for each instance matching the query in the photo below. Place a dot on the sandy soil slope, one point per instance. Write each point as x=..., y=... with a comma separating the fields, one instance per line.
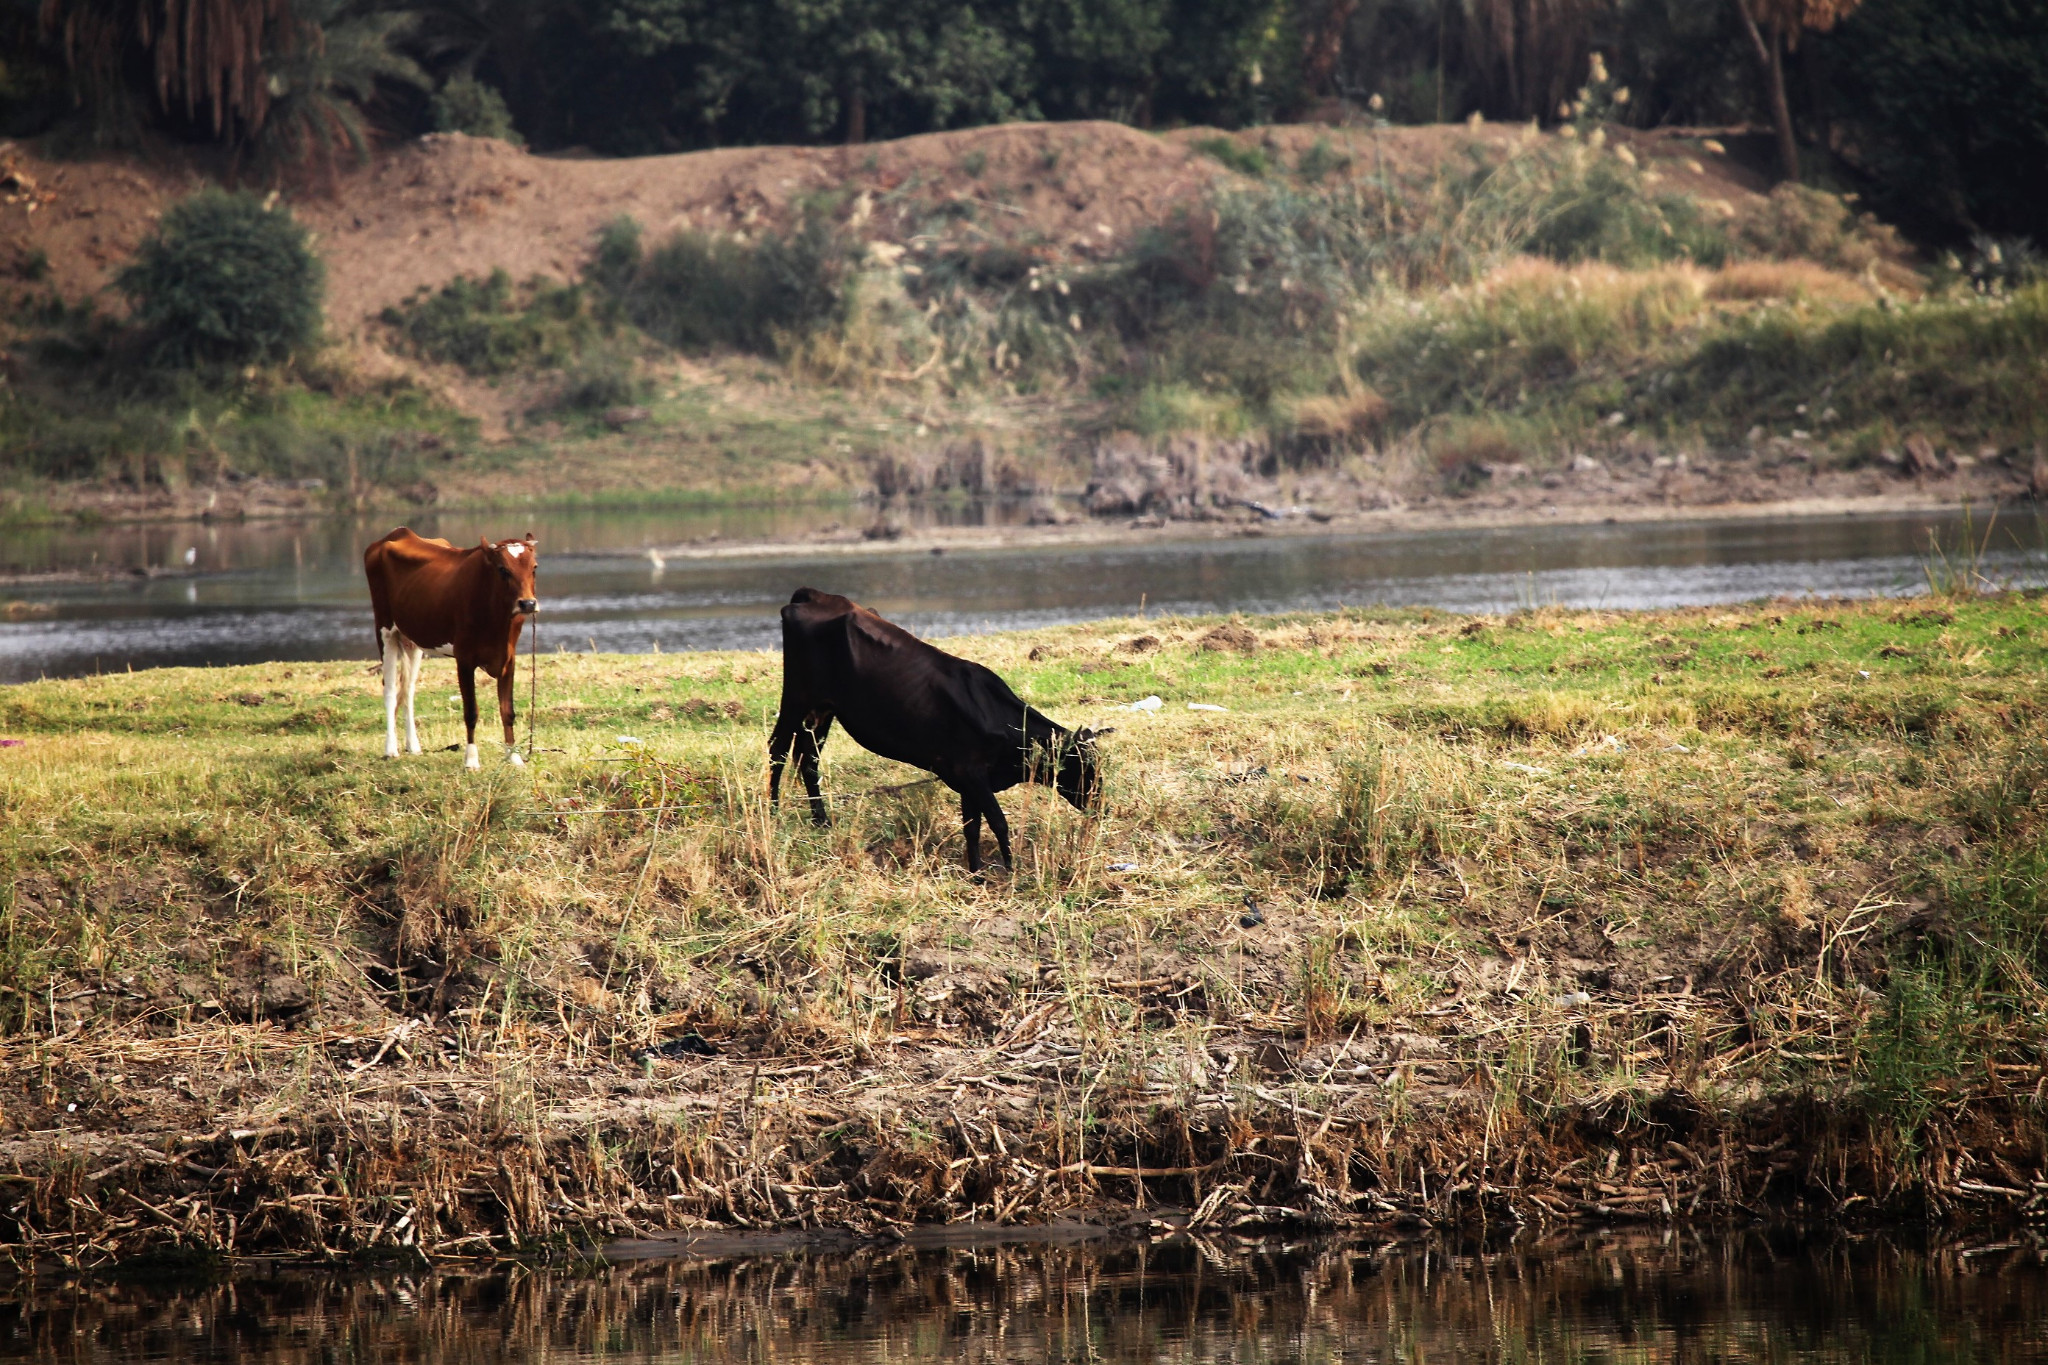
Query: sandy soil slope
x=446, y=205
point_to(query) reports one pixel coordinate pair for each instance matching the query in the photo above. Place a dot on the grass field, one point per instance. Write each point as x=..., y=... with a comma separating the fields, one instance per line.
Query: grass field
x=1568, y=914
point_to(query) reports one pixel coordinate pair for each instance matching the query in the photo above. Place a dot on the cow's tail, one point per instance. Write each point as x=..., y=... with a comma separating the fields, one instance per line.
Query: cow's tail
x=373, y=563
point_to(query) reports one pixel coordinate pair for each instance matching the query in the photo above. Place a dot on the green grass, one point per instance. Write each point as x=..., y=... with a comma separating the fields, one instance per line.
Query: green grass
x=1560, y=351
x=167, y=432
x=1542, y=876
x=1763, y=731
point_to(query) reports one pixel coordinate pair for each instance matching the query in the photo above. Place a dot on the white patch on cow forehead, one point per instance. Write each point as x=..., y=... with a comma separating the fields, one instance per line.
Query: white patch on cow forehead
x=515, y=549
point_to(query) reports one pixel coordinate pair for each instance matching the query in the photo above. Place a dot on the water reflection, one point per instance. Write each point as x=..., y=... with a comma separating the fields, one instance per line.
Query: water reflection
x=1738, y=1298
x=282, y=592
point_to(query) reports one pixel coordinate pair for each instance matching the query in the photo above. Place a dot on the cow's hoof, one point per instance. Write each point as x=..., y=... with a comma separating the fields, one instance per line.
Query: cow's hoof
x=514, y=759
x=470, y=761
x=391, y=753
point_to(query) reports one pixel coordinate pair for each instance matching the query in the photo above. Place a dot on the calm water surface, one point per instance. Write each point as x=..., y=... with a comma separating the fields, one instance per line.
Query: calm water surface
x=1746, y=1297
x=235, y=594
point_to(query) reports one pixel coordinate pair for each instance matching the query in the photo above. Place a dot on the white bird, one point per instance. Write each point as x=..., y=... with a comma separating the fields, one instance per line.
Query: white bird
x=654, y=558
x=191, y=556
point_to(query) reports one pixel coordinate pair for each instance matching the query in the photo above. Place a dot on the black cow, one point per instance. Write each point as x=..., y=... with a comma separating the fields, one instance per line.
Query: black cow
x=905, y=700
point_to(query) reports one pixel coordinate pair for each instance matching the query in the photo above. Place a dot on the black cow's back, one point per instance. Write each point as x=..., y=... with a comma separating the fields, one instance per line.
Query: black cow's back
x=898, y=696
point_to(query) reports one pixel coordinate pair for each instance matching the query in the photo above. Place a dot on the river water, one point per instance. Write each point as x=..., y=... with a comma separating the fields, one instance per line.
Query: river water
x=1678, y=1298
x=144, y=596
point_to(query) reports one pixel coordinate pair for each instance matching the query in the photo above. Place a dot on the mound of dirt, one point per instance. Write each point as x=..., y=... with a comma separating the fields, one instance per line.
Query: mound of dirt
x=449, y=205
x=1231, y=636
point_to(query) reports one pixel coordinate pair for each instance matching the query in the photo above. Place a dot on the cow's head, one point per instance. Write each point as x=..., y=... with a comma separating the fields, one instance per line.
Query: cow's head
x=513, y=562
x=1075, y=777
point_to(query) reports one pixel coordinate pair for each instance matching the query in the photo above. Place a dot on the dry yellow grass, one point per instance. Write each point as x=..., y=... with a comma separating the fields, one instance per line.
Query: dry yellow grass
x=1790, y=281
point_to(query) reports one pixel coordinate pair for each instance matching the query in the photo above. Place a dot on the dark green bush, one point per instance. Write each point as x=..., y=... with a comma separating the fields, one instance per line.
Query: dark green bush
x=603, y=379
x=225, y=280
x=698, y=291
x=488, y=327
x=467, y=105
x=617, y=258
x=1596, y=208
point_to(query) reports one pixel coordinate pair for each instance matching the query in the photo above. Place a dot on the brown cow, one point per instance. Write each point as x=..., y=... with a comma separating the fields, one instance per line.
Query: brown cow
x=428, y=595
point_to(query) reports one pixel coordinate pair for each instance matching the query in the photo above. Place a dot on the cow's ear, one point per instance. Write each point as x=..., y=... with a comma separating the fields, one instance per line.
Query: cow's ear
x=1087, y=735
x=529, y=537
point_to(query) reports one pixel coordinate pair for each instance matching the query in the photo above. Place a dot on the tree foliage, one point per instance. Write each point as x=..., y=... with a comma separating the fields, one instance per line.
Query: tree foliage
x=467, y=105
x=320, y=86
x=1939, y=105
x=1943, y=105
x=225, y=280
x=207, y=57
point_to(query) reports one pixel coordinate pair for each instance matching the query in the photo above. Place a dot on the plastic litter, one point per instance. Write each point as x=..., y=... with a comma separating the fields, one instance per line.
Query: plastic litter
x=1205, y=706
x=1123, y=867
x=1148, y=704
x=1522, y=767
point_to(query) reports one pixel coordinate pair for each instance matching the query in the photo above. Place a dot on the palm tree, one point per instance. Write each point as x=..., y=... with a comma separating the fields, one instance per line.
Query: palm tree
x=320, y=84
x=208, y=55
x=284, y=81
x=1773, y=28
x=1527, y=55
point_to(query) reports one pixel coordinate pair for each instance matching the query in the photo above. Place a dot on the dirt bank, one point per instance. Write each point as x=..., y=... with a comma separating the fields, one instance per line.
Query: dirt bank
x=1627, y=489
x=449, y=205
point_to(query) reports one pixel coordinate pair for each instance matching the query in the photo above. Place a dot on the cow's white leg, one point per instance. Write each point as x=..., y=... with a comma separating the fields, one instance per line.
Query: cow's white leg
x=393, y=663
x=414, y=657
x=470, y=759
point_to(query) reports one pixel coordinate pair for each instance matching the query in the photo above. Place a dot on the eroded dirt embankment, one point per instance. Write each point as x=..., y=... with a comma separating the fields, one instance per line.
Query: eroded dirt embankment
x=449, y=205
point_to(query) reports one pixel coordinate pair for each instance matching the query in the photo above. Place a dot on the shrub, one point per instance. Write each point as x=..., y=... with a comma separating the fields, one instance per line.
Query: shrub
x=1250, y=161
x=699, y=290
x=225, y=280
x=1799, y=222
x=1320, y=160
x=488, y=327
x=617, y=258
x=1594, y=206
x=1532, y=327
x=2004, y=263
x=600, y=380
x=467, y=105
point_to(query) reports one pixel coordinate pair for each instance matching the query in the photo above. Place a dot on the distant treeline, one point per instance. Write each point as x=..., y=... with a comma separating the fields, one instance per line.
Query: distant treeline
x=1936, y=109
